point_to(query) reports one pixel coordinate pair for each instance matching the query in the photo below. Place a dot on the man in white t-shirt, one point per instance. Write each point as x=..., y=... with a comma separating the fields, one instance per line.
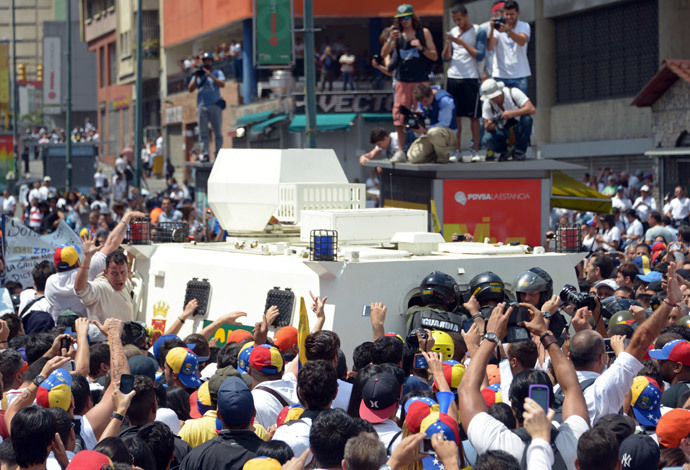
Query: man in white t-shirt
x=383, y=141
x=486, y=432
x=465, y=48
x=9, y=203
x=679, y=207
x=645, y=203
x=620, y=201
x=507, y=121
x=509, y=43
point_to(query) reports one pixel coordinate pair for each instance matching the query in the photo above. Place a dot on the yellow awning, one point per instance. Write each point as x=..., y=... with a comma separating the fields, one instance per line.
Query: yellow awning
x=569, y=193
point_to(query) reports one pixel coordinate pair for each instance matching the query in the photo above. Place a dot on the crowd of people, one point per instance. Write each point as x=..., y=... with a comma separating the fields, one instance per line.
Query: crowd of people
x=533, y=375
x=86, y=133
x=486, y=82
x=232, y=50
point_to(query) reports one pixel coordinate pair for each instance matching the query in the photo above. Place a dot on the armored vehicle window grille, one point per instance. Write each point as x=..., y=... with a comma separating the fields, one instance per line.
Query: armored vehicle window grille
x=199, y=290
x=285, y=301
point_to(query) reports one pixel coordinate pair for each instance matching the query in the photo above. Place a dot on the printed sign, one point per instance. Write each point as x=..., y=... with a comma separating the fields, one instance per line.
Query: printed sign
x=25, y=248
x=353, y=102
x=51, y=74
x=502, y=210
x=224, y=330
x=273, y=33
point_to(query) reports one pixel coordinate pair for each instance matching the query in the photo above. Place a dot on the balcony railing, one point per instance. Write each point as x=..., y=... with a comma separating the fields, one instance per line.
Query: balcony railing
x=177, y=83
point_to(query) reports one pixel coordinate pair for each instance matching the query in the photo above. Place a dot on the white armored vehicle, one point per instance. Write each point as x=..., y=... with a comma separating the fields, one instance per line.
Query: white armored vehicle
x=379, y=254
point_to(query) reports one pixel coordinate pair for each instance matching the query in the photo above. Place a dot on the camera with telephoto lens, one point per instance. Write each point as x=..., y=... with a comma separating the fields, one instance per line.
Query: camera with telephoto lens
x=570, y=295
x=413, y=120
x=499, y=21
x=503, y=124
x=412, y=339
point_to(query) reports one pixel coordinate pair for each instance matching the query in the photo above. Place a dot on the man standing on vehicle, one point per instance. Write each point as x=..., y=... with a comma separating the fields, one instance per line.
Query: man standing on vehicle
x=509, y=40
x=465, y=48
x=415, y=51
x=209, y=104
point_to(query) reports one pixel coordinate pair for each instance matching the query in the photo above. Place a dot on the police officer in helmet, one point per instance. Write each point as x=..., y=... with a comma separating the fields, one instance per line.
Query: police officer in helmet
x=535, y=287
x=439, y=296
x=485, y=291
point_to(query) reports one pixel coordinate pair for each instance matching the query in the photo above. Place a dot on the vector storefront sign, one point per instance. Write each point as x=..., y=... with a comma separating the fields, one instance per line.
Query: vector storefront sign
x=273, y=33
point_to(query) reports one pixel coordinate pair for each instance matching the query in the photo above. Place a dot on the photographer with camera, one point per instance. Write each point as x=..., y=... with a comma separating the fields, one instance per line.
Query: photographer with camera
x=209, y=104
x=413, y=52
x=508, y=39
x=435, y=120
x=507, y=121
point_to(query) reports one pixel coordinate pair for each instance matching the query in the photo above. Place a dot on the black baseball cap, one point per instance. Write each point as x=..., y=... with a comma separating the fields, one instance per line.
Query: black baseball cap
x=380, y=397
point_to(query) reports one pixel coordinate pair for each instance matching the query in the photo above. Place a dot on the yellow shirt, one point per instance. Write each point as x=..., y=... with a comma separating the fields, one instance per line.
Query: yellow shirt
x=197, y=431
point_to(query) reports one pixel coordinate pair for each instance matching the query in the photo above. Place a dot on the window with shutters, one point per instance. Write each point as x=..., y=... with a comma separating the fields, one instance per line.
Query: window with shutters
x=606, y=53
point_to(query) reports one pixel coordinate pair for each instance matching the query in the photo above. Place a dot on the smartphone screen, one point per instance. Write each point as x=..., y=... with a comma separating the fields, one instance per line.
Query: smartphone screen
x=366, y=311
x=609, y=349
x=425, y=447
x=72, y=366
x=420, y=362
x=126, y=383
x=540, y=394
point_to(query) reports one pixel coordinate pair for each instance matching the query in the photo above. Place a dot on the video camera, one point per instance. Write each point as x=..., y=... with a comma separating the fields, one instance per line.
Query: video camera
x=499, y=21
x=413, y=119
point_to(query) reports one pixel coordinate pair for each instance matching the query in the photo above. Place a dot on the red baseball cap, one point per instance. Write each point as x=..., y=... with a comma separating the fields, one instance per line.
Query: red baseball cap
x=677, y=350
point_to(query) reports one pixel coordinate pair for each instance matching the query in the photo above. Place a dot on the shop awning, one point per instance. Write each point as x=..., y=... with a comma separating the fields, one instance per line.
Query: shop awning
x=569, y=193
x=377, y=117
x=253, y=118
x=324, y=122
x=260, y=127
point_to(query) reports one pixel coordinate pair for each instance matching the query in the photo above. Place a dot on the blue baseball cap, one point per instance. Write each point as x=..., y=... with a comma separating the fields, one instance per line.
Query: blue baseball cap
x=235, y=402
x=651, y=276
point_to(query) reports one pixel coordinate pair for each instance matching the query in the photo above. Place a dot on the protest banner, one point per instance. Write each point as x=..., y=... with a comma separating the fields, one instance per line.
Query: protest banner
x=25, y=248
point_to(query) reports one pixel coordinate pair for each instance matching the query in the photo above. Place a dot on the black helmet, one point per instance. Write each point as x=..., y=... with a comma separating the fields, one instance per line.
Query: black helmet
x=534, y=279
x=487, y=286
x=206, y=55
x=439, y=288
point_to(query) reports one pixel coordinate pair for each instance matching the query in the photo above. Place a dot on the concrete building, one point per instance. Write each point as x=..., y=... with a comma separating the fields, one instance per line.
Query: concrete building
x=667, y=95
x=188, y=28
x=592, y=58
x=98, y=29
x=83, y=74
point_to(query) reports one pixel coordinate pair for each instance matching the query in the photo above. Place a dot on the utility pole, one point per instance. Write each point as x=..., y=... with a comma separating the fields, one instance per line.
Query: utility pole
x=309, y=74
x=68, y=110
x=15, y=98
x=138, y=130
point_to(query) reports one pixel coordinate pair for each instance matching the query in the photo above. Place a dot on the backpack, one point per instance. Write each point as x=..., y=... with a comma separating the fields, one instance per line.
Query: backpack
x=558, y=463
x=559, y=397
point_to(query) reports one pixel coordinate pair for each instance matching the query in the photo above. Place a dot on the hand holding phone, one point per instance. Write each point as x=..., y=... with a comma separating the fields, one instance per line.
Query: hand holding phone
x=126, y=383
x=425, y=447
x=366, y=311
x=540, y=394
x=420, y=362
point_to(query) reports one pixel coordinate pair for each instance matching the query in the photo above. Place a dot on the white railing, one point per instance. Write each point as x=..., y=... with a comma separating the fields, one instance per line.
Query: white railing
x=296, y=197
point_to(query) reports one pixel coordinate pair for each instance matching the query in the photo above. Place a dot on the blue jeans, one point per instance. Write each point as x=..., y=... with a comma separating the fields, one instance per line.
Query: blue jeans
x=497, y=139
x=519, y=83
x=347, y=78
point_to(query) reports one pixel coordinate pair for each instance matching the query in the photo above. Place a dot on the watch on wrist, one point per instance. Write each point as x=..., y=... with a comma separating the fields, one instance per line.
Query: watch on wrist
x=491, y=336
x=117, y=415
x=38, y=380
x=546, y=315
